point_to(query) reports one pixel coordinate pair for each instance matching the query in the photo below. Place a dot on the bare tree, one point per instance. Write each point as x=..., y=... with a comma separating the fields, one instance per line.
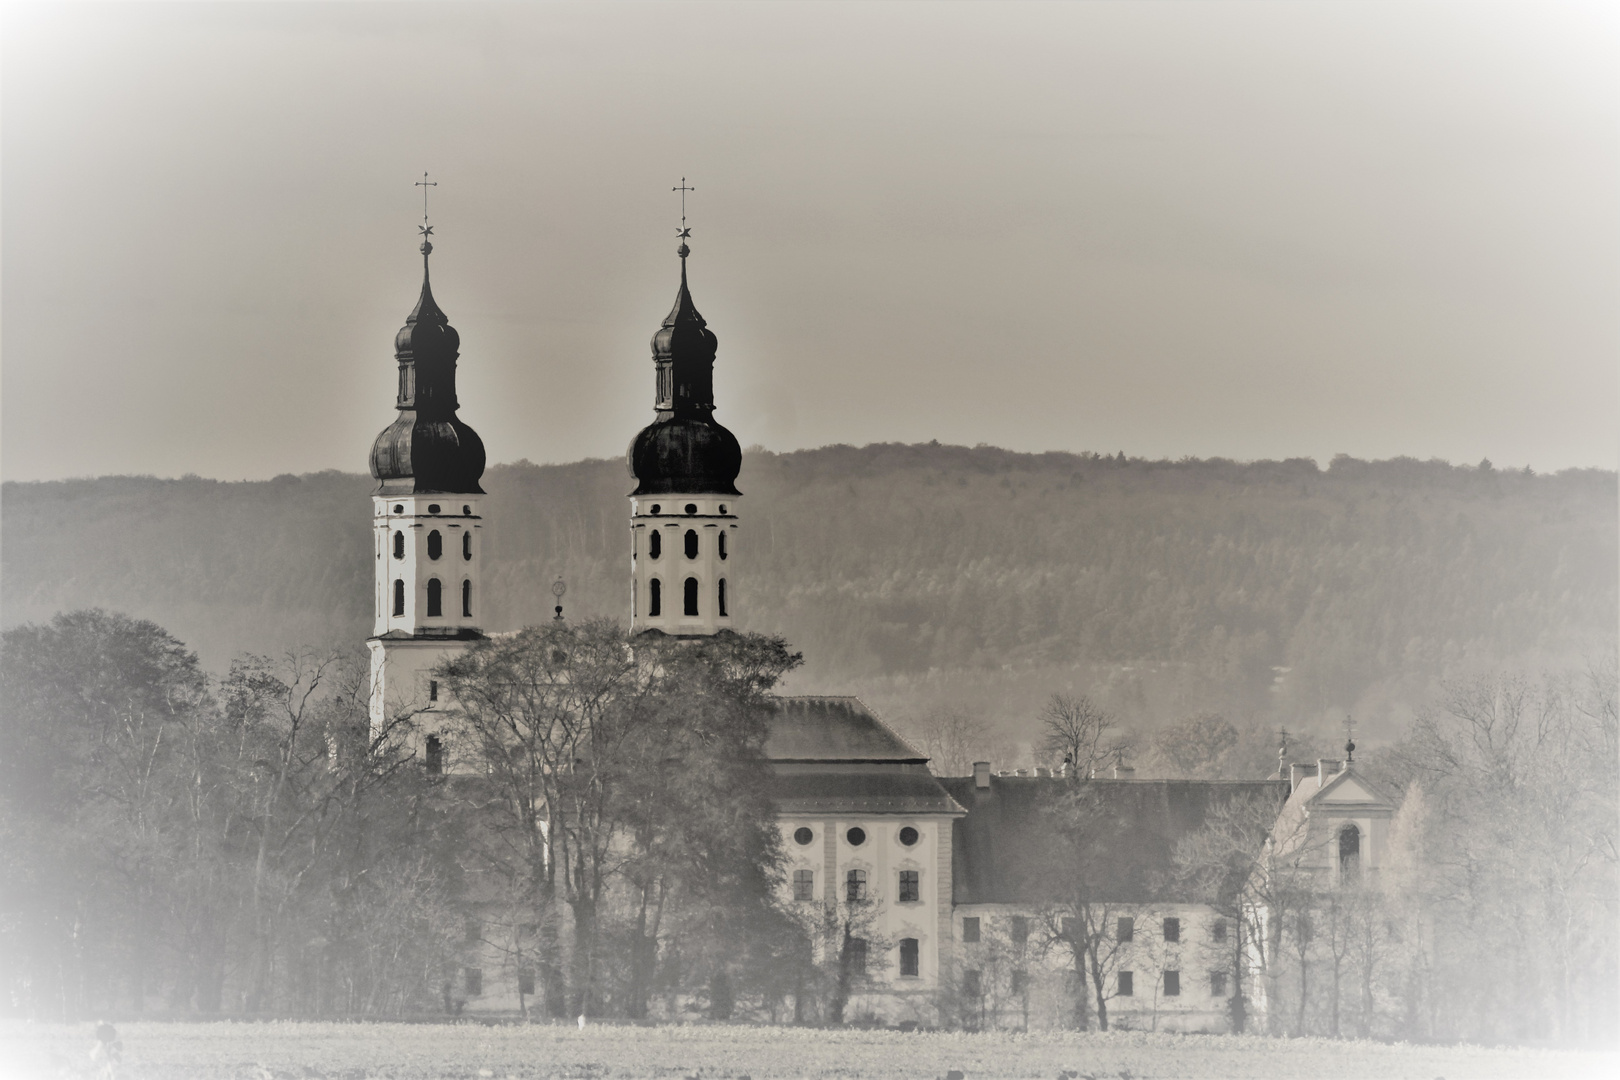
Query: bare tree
x=1077, y=732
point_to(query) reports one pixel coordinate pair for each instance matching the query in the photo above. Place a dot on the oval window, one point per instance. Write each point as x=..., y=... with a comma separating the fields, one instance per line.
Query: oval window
x=466, y=511
x=399, y=508
x=908, y=836
x=655, y=544
x=656, y=508
x=466, y=546
x=691, y=508
x=802, y=836
x=433, y=508
x=691, y=543
x=435, y=544
x=856, y=836
x=722, y=508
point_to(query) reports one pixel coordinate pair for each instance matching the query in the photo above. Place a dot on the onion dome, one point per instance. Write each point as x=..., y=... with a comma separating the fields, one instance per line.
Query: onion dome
x=685, y=451
x=427, y=448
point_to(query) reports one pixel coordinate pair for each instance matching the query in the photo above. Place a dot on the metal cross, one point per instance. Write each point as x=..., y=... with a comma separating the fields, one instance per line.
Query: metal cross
x=424, y=184
x=684, y=232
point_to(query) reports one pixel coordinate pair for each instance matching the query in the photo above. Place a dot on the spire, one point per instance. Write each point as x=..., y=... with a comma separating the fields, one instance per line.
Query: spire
x=427, y=448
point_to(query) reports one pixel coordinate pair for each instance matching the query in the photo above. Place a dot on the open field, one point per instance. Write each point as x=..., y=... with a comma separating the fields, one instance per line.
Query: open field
x=294, y=1051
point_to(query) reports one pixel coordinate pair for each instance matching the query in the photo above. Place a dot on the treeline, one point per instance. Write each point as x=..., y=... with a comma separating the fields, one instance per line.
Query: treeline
x=1275, y=591
x=596, y=825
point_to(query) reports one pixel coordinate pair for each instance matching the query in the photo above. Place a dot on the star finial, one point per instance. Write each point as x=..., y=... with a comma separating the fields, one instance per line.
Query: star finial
x=683, y=232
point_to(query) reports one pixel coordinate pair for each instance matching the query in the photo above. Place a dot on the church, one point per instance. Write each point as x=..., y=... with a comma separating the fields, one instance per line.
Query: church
x=952, y=872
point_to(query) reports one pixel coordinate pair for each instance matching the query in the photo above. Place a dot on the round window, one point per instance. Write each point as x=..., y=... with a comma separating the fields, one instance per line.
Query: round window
x=908, y=836
x=691, y=508
x=802, y=836
x=656, y=508
x=399, y=508
x=466, y=511
x=856, y=836
x=433, y=508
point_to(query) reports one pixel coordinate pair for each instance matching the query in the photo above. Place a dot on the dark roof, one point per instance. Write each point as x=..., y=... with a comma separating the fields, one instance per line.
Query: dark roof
x=1005, y=850
x=888, y=792
x=833, y=729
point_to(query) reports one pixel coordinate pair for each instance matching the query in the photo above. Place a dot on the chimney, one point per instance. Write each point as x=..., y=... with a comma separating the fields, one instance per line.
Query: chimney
x=1326, y=767
x=1124, y=772
x=1297, y=774
x=981, y=774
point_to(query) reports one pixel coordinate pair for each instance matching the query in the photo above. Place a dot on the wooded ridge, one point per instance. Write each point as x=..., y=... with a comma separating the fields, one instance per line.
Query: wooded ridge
x=922, y=574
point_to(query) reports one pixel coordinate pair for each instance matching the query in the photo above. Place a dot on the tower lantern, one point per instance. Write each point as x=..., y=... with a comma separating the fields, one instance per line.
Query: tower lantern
x=683, y=511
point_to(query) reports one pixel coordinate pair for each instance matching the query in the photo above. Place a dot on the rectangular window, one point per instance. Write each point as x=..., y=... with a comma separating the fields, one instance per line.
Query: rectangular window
x=433, y=689
x=804, y=884
x=1125, y=929
x=1126, y=984
x=909, y=888
x=1071, y=929
x=855, y=886
x=433, y=755
x=1018, y=929
x=971, y=986
x=1172, y=984
x=1217, y=983
x=475, y=982
x=1020, y=982
x=1172, y=929
x=525, y=981
x=855, y=952
x=908, y=956
x=970, y=928
x=1217, y=931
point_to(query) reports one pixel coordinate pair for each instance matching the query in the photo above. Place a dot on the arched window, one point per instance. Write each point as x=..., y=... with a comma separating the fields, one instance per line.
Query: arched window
x=855, y=886
x=466, y=546
x=655, y=597
x=655, y=544
x=722, y=545
x=466, y=599
x=908, y=956
x=435, y=597
x=691, y=543
x=399, y=545
x=399, y=597
x=691, y=596
x=722, y=596
x=1349, y=855
x=435, y=544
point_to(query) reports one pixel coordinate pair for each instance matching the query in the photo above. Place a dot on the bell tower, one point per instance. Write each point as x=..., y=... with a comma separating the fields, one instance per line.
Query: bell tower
x=683, y=511
x=427, y=524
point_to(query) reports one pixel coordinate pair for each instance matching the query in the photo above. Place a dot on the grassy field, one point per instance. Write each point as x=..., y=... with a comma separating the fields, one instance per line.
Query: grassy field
x=308, y=1051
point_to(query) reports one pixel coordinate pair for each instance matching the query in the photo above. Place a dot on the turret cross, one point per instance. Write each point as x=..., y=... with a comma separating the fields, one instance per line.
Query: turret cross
x=684, y=232
x=424, y=184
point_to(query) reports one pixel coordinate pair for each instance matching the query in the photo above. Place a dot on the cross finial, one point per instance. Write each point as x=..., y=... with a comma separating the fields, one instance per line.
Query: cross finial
x=683, y=232
x=1349, y=740
x=424, y=184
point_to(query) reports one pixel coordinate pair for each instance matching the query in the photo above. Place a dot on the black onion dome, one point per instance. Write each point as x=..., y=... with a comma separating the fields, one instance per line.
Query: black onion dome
x=427, y=449
x=686, y=451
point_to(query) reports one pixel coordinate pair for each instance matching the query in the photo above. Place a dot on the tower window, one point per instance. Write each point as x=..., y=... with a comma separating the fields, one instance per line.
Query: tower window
x=655, y=544
x=722, y=545
x=722, y=597
x=466, y=511
x=433, y=756
x=466, y=546
x=399, y=545
x=910, y=891
x=1349, y=855
x=433, y=508
x=691, y=543
x=435, y=544
x=804, y=884
x=722, y=508
x=655, y=598
x=691, y=508
x=908, y=956
x=435, y=597
x=433, y=689
x=855, y=886
x=399, y=597
x=399, y=508
x=691, y=596
x=466, y=599
x=656, y=508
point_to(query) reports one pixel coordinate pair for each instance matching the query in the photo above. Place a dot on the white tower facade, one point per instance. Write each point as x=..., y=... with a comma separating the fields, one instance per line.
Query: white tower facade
x=683, y=512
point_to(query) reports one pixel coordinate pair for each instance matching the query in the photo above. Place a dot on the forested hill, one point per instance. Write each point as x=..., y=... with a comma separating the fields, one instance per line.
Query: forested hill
x=1275, y=590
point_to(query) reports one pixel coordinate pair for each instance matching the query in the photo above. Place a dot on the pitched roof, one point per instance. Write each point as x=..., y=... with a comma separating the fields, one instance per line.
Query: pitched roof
x=859, y=793
x=833, y=729
x=1003, y=849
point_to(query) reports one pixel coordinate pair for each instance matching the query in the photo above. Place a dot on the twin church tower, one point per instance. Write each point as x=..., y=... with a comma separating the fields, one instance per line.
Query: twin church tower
x=427, y=516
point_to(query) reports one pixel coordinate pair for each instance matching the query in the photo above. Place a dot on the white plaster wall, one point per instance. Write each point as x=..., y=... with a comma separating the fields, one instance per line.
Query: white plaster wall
x=413, y=517
x=401, y=687
x=714, y=515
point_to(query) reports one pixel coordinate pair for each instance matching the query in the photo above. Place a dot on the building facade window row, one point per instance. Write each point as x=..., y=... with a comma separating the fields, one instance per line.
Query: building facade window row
x=691, y=601
x=435, y=598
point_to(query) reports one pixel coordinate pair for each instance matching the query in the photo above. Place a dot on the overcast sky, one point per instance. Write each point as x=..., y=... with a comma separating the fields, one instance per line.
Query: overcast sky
x=1250, y=231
